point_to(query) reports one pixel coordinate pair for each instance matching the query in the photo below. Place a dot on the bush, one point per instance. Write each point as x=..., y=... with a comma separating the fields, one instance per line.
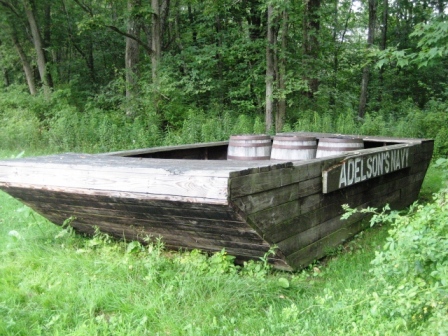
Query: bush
x=410, y=283
x=19, y=129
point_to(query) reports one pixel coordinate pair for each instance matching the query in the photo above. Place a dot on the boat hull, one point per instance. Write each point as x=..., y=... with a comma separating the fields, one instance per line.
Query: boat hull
x=247, y=208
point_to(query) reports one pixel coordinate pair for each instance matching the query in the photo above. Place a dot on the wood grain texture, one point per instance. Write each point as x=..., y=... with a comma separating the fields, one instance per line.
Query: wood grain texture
x=365, y=165
x=133, y=221
x=322, y=229
x=193, y=199
x=324, y=246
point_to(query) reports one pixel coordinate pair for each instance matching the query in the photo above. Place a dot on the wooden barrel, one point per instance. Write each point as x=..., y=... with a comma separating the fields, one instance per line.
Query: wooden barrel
x=249, y=147
x=291, y=147
x=335, y=146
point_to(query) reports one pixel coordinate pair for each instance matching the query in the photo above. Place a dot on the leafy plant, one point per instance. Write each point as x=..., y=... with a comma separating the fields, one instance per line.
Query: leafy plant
x=411, y=272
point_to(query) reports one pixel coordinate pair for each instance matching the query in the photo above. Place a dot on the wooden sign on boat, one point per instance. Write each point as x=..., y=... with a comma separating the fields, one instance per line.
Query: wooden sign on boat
x=193, y=197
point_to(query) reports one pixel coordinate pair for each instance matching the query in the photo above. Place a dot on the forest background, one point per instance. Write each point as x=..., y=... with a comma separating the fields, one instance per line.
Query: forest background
x=98, y=75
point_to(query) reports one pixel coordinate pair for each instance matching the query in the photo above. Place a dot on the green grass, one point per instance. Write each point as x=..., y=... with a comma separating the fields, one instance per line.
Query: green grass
x=54, y=282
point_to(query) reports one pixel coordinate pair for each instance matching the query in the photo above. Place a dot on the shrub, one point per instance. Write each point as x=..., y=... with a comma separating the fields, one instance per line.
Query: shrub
x=411, y=272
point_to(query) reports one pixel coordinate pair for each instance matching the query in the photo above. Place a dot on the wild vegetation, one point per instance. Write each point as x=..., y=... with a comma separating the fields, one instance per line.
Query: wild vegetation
x=102, y=75
x=390, y=280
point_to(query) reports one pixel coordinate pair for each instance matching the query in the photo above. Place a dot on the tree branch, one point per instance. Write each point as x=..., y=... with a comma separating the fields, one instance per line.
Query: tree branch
x=84, y=7
x=10, y=7
x=136, y=39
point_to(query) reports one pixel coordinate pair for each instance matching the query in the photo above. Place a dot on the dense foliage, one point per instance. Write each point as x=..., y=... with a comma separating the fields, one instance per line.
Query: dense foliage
x=102, y=75
x=409, y=288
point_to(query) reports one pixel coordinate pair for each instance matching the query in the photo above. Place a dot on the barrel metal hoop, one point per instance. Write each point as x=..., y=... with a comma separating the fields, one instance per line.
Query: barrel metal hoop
x=250, y=137
x=246, y=158
x=294, y=138
x=293, y=147
x=341, y=140
x=257, y=144
x=338, y=149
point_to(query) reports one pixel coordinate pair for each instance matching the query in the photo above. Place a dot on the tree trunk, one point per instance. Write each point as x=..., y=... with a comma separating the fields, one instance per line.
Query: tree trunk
x=6, y=77
x=156, y=46
x=192, y=23
x=383, y=43
x=441, y=6
x=27, y=69
x=47, y=40
x=270, y=74
x=281, y=110
x=366, y=69
x=4, y=71
x=311, y=28
x=131, y=59
x=38, y=46
x=254, y=19
x=339, y=43
x=87, y=56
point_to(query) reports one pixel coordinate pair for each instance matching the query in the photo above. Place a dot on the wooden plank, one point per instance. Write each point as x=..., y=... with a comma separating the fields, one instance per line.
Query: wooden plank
x=314, y=204
x=155, y=221
x=262, y=167
x=59, y=217
x=187, y=239
x=172, y=231
x=120, y=194
x=317, y=250
x=299, y=241
x=165, y=225
x=330, y=207
x=254, y=183
x=151, y=181
x=274, y=197
x=87, y=162
x=364, y=137
x=265, y=200
x=294, y=243
x=358, y=168
x=241, y=255
x=133, y=206
x=137, y=152
x=317, y=209
x=57, y=196
x=421, y=166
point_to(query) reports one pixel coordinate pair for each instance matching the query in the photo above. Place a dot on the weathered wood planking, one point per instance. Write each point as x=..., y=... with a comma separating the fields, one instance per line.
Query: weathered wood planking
x=192, y=198
x=211, y=228
x=303, y=221
x=201, y=151
x=370, y=164
x=177, y=180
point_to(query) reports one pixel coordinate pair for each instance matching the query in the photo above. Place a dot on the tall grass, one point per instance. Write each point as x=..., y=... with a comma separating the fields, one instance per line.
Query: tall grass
x=54, y=282
x=59, y=125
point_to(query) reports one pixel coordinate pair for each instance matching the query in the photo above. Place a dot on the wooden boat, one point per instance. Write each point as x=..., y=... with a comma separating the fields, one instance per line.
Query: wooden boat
x=193, y=197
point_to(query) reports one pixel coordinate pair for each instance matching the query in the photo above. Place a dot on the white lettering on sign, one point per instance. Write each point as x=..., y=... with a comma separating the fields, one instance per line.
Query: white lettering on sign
x=362, y=168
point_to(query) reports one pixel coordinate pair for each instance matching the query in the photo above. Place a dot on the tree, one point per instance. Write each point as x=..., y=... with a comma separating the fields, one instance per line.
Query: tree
x=27, y=69
x=38, y=46
x=270, y=72
x=11, y=17
x=132, y=56
x=311, y=29
x=366, y=69
x=281, y=73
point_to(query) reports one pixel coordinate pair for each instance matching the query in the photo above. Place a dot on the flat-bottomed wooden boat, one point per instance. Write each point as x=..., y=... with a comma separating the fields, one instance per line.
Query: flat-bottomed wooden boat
x=193, y=197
